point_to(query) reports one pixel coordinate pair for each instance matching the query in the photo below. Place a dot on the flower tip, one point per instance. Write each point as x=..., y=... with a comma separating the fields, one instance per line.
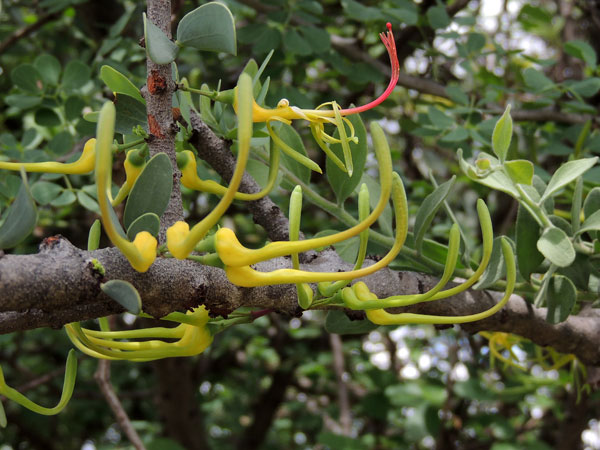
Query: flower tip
x=389, y=26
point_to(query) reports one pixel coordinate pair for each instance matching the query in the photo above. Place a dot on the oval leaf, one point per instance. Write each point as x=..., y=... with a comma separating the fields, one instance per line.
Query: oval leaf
x=555, y=245
x=151, y=191
x=209, y=27
x=159, y=47
x=427, y=211
x=520, y=171
x=340, y=182
x=119, y=83
x=566, y=173
x=146, y=222
x=560, y=298
x=337, y=322
x=124, y=293
x=94, y=236
x=502, y=135
x=130, y=114
x=527, y=233
x=20, y=219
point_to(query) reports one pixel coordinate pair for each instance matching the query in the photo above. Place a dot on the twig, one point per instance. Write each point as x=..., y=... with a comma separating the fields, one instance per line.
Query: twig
x=26, y=30
x=102, y=377
x=339, y=368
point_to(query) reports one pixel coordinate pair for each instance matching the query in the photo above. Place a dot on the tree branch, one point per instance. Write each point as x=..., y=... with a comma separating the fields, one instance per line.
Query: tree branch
x=27, y=30
x=60, y=285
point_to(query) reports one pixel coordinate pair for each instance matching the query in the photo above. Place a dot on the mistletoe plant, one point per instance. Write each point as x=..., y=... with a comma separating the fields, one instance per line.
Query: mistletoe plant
x=540, y=269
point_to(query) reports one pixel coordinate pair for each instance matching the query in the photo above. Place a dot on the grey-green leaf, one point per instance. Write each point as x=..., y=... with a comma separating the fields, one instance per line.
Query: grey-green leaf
x=124, y=293
x=591, y=223
x=44, y=192
x=159, y=47
x=495, y=269
x=130, y=114
x=94, y=236
x=337, y=322
x=291, y=137
x=566, y=173
x=146, y=222
x=340, y=182
x=428, y=209
x=20, y=219
x=48, y=67
x=555, y=245
x=76, y=75
x=592, y=202
x=27, y=78
x=210, y=27
x=527, y=233
x=119, y=83
x=560, y=298
x=151, y=191
x=502, y=135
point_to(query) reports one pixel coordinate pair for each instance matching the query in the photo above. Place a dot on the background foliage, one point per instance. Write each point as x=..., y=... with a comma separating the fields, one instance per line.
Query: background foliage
x=284, y=383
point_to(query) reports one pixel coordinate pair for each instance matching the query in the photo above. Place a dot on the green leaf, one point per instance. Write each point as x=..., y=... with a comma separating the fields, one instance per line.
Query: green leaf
x=560, y=298
x=428, y=209
x=581, y=50
x=151, y=191
x=318, y=39
x=438, y=17
x=209, y=27
x=46, y=117
x=502, y=135
x=340, y=182
x=459, y=134
x=64, y=199
x=296, y=44
x=591, y=223
x=520, y=171
x=555, y=245
x=496, y=268
x=536, y=80
x=475, y=42
x=88, y=202
x=76, y=75
x=49, y=68
x=566, y=173
x=457, y=95
x=22, y=101
x=592, y=202
x=119, y=83
x=587, y=87
x=94, y=236
x=20, y=219
x=124, y=293
x=73, y=107
x=146, y=222
x=61, y=144
x=527, y=233
x=439, y=119
x=130, y=114
x=44, y=192
x=3, y=422
x=291, y=137
x=337, y=322
x=159, y=47
x=362, y=13
x=27, y=78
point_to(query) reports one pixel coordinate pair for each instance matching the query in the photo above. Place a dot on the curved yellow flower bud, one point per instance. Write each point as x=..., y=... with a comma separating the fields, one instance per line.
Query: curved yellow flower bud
x=247, y=277
x=186, y=162
x=140, y=253
x=234, y=254
x=69, y=384
x=182, y=242
x=134, y=165
x=84, y=164
x=382, y=317
x=192, y=339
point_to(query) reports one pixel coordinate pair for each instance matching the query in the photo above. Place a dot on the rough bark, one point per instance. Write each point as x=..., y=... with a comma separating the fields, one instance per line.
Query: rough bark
x=60, y=285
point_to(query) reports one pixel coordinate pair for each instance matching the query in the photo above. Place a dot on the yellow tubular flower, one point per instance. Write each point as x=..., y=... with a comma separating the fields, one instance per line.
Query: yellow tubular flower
x=134, y=164
x=84, y=164
x=140, y=253
x=382, y=317
x=180, y=239
x=193, y=338
x=247, y=277
x=186, y=161
x=234, y=254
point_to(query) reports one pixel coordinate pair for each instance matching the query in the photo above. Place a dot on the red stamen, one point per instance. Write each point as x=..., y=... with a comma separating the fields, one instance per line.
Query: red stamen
x=388, y=40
